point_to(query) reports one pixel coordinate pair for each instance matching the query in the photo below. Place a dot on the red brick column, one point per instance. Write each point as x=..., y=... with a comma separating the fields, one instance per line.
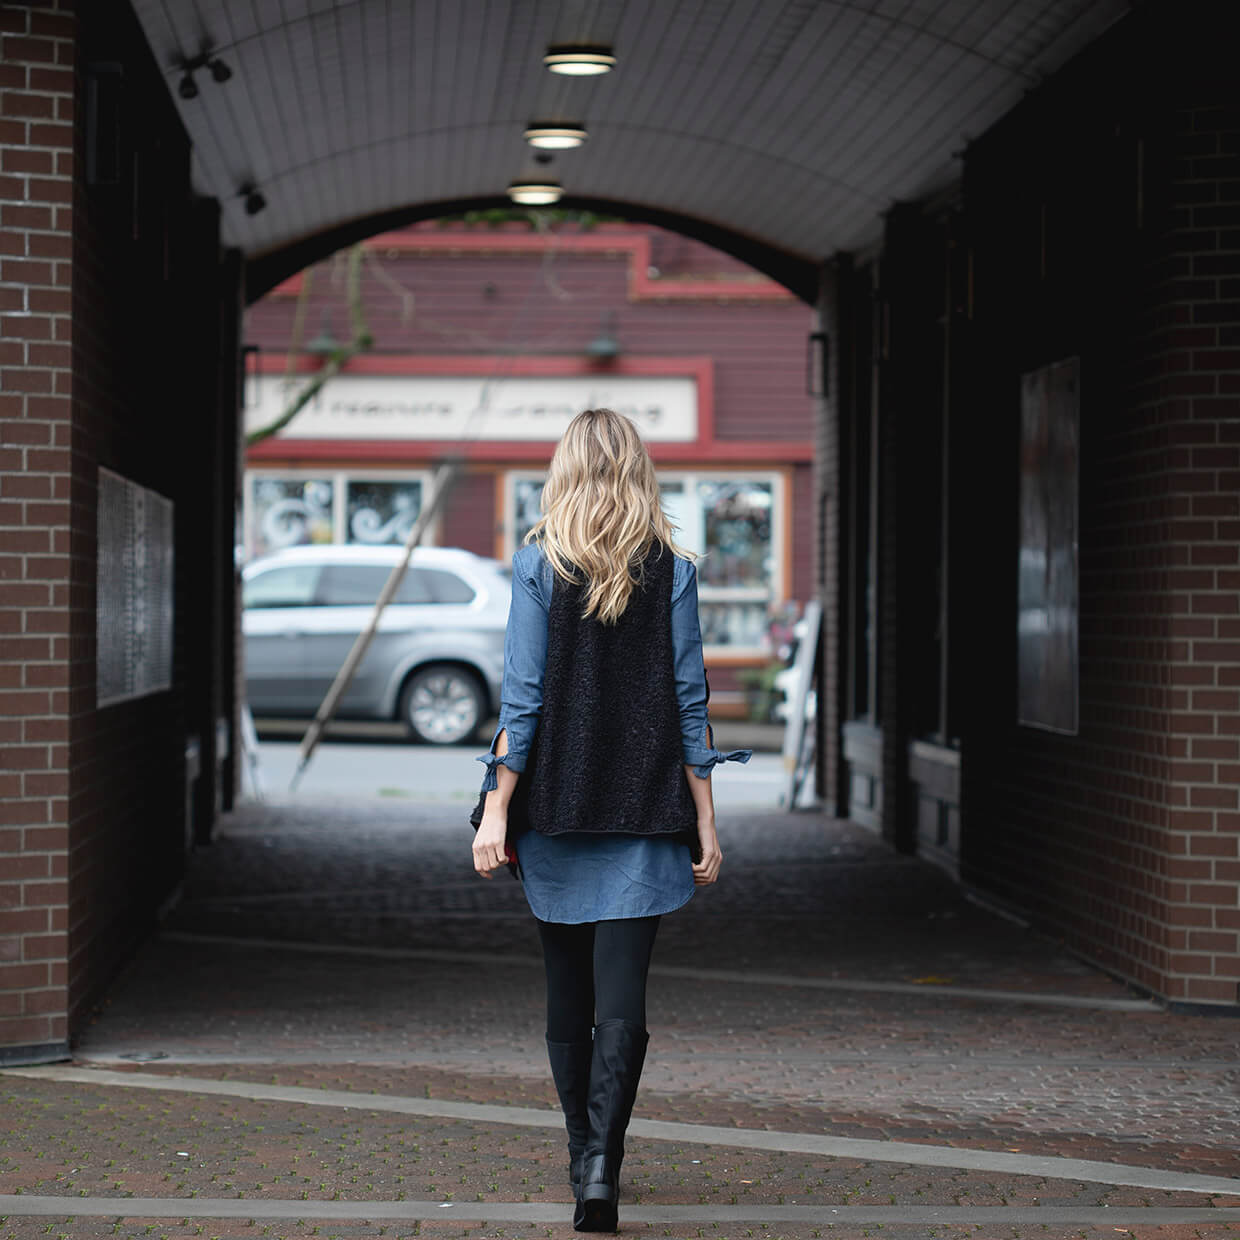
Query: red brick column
x=1198, y=341
x=36, y=185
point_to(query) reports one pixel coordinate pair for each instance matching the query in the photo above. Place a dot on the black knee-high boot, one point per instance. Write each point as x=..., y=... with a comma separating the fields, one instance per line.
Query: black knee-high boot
x=570, y=1069
x=615, y=1070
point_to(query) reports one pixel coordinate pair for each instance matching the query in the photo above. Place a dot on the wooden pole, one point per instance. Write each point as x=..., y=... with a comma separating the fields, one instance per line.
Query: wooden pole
x=444, y=477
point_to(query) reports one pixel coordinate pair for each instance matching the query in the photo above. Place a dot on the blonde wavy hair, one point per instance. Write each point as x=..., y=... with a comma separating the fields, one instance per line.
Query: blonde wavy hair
x=602, y=511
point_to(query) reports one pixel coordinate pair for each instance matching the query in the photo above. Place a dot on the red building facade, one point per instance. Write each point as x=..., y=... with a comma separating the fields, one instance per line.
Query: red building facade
x=486, y=339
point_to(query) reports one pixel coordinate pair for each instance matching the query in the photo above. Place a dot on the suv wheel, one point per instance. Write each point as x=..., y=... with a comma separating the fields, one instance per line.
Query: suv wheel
x=442, y=704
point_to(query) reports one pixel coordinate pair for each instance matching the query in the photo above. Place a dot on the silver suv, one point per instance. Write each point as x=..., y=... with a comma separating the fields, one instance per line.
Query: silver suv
x=436, y=661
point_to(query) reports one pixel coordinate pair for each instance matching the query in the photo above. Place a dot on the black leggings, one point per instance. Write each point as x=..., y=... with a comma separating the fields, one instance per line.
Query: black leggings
x=596, y=971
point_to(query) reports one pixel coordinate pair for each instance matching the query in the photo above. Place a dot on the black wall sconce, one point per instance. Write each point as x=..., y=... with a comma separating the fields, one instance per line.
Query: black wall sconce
x=605, y=347
x=249, y=372
x=816, y=361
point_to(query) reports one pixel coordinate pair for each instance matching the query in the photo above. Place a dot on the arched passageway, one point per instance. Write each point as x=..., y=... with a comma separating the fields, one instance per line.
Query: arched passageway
x=1021, y=219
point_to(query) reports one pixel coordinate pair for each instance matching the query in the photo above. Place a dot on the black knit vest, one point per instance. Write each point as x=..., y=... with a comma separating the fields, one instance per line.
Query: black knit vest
x=607, y=754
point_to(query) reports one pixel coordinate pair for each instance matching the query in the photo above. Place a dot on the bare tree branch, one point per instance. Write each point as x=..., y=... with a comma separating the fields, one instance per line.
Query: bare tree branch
x=360, y=341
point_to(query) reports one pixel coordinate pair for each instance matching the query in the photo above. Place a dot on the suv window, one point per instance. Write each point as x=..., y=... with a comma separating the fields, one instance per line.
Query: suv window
x=447, y=587
x=358, y=585
x=290, y=585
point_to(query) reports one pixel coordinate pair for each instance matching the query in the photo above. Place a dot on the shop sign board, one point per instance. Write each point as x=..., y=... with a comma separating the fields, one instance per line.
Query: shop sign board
x=471, y=408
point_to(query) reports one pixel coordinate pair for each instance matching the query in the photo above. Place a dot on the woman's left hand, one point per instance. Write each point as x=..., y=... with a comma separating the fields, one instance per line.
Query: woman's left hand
x=706, y=871
x=489, y=843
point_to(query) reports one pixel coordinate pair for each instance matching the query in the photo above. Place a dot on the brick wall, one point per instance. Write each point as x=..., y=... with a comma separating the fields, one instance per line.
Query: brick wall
x=1102, y=222
x=1193, y=388
x=148, y=374
x=111, y=355
x=36, y=184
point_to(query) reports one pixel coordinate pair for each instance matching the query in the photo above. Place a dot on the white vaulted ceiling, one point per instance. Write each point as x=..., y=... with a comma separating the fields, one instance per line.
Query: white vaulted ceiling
x=793, y=122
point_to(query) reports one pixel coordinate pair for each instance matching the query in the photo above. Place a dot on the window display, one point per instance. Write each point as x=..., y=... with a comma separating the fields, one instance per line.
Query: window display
x=288, y=512
x=737, y=575
x=727, y=518
x=382, y=511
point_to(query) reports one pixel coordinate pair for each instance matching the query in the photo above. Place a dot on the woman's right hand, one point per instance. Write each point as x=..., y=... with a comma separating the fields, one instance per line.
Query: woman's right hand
x=706, y=871
x=489, y=842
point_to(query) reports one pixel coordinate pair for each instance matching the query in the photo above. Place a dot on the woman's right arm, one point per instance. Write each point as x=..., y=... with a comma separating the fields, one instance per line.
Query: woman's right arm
x=691, y=694
x=705, y=871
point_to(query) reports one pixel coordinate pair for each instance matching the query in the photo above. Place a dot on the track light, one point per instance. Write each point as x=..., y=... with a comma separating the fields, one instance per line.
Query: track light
x=187, y=87
x=535, y=193
x=552, y=136
x=579, y=59
x=254, y=200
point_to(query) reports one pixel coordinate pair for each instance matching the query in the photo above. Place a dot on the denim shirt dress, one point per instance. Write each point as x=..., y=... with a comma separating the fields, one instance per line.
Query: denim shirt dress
x=576, y=878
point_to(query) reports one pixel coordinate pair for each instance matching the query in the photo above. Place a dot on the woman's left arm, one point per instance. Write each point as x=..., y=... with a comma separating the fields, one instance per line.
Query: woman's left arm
x=525, y=659
x=491, y=838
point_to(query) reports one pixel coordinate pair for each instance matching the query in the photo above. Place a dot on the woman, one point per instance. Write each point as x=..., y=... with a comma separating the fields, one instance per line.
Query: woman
x=598, y=780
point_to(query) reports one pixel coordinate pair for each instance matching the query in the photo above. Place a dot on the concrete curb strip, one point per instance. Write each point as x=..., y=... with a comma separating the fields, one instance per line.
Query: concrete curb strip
x=906, y=1152
x=519, y=1212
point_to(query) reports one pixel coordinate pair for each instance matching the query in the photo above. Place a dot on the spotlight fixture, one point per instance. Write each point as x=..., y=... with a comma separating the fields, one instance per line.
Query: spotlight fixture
x=552, y=136
x=579, y=59
x=254, y=201
x=187, y=88
x=534, y=193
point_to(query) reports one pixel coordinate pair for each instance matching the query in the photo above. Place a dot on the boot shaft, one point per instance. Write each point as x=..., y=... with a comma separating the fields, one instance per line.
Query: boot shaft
x=615, y=1072
x=570, y=1070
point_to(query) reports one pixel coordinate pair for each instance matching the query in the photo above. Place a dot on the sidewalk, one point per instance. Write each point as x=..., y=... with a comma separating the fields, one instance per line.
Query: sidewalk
x=339, y=1029
x=729, y=733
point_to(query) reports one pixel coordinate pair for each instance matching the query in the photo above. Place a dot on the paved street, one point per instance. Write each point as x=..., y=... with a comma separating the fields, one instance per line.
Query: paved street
x=378, y=763
x=337, y=1032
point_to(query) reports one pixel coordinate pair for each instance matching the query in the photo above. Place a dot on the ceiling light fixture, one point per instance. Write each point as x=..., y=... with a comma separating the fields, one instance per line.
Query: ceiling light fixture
x=549, y=136
x=579, y=59
x=535, y=193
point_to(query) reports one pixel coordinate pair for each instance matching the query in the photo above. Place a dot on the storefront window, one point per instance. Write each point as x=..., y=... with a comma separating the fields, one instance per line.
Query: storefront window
x=284, y=510
x=730, y=520
x=526, y=493
x=736, y=576
x=382, y=511
x=288, y=512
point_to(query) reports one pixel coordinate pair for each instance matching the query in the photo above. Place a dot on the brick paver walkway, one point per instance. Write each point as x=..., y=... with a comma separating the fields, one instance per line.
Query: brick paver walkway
x=826, y=988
